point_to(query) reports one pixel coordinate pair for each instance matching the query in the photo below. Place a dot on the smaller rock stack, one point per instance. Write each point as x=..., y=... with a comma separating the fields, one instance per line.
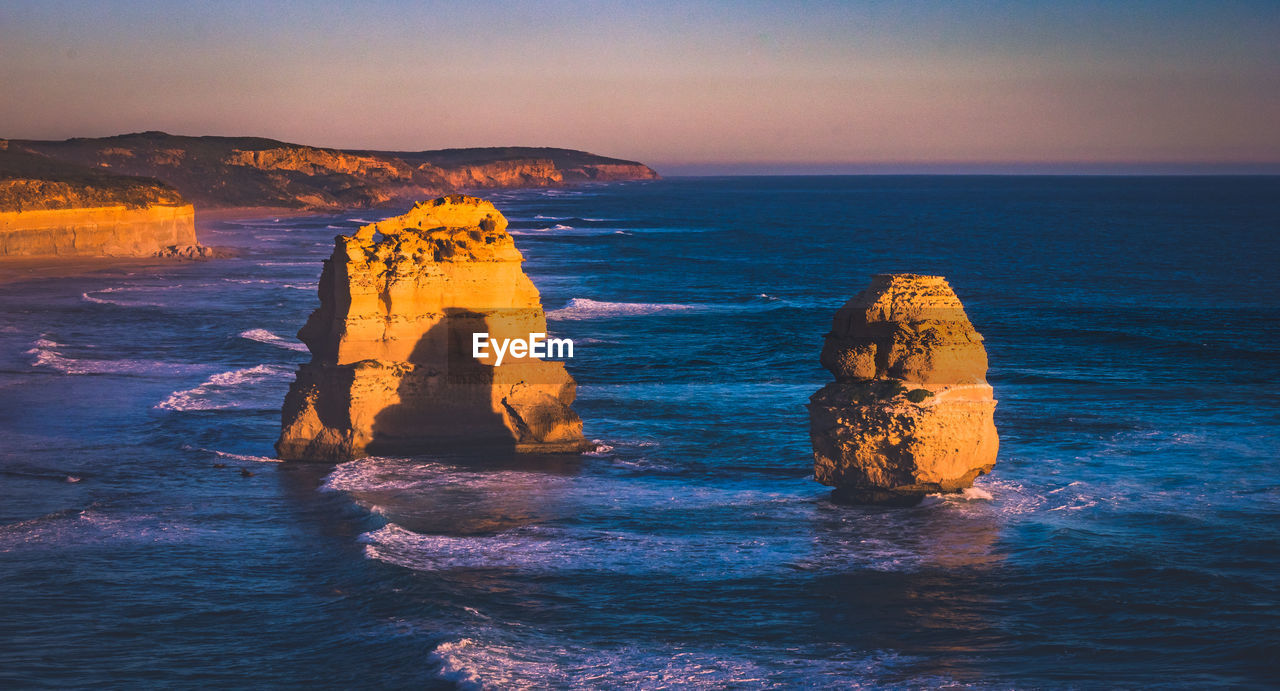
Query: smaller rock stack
x=910, y=412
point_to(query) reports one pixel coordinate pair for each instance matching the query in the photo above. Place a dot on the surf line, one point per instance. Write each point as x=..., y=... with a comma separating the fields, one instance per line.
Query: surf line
x=536, y=346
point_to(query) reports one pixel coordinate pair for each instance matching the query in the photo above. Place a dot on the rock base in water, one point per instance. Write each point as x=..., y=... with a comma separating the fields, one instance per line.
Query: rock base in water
x=392, y=369
x=910, y=412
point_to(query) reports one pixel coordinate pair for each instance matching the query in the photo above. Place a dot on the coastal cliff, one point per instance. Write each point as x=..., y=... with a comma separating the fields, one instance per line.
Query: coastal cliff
x=910, y=412
x=53, y=208
x=224, y=172
x=392, y=368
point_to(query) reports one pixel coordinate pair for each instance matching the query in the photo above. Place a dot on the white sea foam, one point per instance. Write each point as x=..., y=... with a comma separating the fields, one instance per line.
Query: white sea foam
x=92, y=525
x=46, y=353
x=94, y=296
x=223, y=391
x=484, y=660
x=554, y=549
x=584, y=308
x=264, y=336
x=236, y=456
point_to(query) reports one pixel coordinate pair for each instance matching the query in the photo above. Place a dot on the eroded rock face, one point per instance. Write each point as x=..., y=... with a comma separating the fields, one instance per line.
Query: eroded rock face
x=107, y=231
x=910, y=412
x=392, y=369
x=59, y=209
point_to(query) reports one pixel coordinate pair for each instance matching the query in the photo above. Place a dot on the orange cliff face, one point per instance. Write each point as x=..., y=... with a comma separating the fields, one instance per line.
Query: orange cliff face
x=222, y=172
x=497, y=174
x=102, y=231
x=50, y=208
x=393, y=367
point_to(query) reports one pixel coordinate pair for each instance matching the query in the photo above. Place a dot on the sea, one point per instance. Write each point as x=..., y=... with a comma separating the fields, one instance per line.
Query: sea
x=1129, y=536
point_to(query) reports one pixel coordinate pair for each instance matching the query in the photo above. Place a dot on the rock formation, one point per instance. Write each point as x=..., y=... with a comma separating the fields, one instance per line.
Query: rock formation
x=53, y=208
x=910, y=411
x=392, y=368
x=224, y=172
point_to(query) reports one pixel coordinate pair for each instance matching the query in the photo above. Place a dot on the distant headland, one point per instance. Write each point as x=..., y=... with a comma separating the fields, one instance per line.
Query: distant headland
x=133, y=194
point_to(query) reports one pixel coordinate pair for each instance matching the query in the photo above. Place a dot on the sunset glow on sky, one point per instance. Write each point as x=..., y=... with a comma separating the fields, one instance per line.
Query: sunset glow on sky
x=683, y=86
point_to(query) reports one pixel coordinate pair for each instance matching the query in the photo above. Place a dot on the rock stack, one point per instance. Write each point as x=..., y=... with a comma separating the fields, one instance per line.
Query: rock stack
x=392, y=368
x=910, y=412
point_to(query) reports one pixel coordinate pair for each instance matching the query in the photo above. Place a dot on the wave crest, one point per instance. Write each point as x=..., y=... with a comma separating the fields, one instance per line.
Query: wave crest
x=219, y=391
x=585, y=308
x=264, y=336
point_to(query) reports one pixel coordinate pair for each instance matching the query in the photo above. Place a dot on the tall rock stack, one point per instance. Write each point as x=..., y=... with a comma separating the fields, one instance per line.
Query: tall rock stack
x=392, y=368
x=910, y=412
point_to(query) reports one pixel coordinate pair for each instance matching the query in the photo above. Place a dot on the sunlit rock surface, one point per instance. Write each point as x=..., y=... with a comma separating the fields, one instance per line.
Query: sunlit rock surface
x=910, y=412
x=59, y=209
x=392, y=369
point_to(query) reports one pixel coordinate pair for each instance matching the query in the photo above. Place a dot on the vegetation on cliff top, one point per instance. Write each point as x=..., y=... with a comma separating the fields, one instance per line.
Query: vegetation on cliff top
x=252, y=171
x=31, y=182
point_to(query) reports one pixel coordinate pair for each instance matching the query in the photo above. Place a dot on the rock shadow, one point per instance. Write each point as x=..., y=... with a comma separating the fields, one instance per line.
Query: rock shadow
x=445, y=397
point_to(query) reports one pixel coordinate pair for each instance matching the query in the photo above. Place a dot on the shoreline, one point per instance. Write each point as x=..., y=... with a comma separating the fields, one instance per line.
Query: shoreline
x=19, y=269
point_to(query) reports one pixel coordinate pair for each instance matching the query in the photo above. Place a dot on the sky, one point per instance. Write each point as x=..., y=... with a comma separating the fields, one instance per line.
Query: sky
x=688, y=87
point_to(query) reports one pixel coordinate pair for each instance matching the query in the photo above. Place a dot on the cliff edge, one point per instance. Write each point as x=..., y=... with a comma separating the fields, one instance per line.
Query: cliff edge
x=910, y=412
x=392, y=367
x=55, y=208
x=225, y=172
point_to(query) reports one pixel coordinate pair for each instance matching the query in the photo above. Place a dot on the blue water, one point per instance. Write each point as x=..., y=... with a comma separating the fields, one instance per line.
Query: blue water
x=1128, y=536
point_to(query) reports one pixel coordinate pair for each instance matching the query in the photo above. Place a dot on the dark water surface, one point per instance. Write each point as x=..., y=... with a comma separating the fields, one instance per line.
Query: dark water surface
x=1128, y=537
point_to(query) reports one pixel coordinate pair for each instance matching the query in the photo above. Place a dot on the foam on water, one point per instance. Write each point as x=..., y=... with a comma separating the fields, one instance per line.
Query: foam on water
x=47, y=354
x=585, y=308
x=234, y=456
x=226, y=390
x=745, y=532
x=554, y=550
x=94, y=297
x=92, y=525
x=264, y=336
x=496, y=659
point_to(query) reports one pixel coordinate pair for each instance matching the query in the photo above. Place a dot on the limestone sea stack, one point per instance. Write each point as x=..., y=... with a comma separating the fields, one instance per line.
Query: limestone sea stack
x=910, y=412
x=392, y=368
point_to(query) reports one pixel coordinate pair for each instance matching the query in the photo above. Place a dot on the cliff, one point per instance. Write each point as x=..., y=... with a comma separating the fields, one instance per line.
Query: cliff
x=910, y=412
x=50, y=207
x=217, y=172
x=392, y=368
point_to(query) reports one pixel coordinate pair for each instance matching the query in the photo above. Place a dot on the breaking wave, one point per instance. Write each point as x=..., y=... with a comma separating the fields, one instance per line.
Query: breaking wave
x=89, y=526
x=484, y=661
x=93, y=296
x=264, y=336
x=223, y=391
x=585, y=308
x=47, y=354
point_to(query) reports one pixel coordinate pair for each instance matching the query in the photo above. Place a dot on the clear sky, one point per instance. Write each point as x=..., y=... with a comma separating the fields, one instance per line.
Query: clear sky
x=685, y=86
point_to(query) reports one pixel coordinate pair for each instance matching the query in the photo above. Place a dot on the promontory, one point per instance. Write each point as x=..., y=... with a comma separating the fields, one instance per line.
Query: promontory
x=133, y=194
x=55, y=208
x=228, y=172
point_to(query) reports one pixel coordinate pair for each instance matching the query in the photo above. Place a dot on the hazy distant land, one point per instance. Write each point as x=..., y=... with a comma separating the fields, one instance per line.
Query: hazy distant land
x=133, y=194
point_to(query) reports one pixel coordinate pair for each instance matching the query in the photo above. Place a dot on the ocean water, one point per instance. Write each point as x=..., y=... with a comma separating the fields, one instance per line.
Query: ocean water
x=1128, y=537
